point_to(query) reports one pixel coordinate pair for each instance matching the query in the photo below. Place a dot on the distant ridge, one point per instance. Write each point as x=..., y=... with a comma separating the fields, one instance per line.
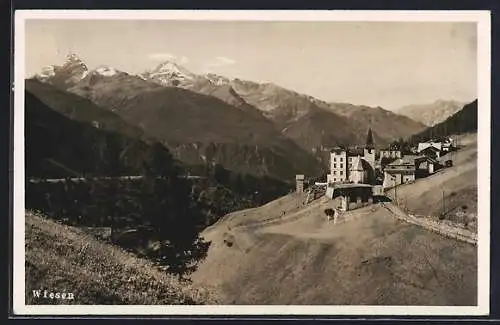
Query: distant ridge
x=260, y=128
x=463, y=121
x=432, y=113
x=58, y=146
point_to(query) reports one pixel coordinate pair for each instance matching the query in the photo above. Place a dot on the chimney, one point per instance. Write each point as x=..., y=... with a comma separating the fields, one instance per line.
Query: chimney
x=299, y=179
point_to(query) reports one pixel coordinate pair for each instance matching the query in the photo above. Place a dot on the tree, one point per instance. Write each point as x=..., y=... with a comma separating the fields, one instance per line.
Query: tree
x=221, y=175
x=175, y=218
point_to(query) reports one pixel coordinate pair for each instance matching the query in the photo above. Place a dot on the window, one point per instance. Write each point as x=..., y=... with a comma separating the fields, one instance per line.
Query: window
x=350, y=165
x=341, y=159
x=334, y=159
x=334, y=179
x=334, y=165
x=334, y=172
x=350, y=159
x=341, y=173
x=341, y=165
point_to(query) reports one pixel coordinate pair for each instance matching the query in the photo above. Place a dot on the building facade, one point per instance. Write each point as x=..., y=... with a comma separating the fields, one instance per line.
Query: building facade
x=431, y=152
x=338, y=166
x=388, y=153
x=353, y=165
x=425, y=166
x=350, y=196
x=401, y=171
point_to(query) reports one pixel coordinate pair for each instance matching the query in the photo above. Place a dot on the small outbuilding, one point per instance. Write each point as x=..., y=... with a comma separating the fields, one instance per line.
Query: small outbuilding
x=299, y=183
x=350, y=196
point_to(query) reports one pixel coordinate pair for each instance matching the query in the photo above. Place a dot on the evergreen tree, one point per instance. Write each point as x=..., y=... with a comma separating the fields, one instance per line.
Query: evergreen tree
x=221, y=175
x=175, y=218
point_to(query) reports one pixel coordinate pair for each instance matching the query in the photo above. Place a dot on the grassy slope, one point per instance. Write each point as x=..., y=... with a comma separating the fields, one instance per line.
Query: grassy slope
x=459, y=183
x=64, y=259
x=302, y=259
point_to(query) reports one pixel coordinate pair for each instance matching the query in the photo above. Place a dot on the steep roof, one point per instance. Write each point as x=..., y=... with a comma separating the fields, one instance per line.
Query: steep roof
x=355, y=152
x=405, y=160
x=425, y=145
x=360, y=164
x=337, y=150
x=425, y=158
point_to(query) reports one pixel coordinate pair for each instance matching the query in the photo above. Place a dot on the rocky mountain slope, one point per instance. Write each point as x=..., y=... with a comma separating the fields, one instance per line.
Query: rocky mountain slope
x=463, y=121
x=432, y=113
x=386, y=124
x=58, y=146
x=110, y=88
x=197, y=128
x=202, y=129
x=291, y=111
x=97, y=84
x=80, y=109
x=64, y=76
x=260, y=128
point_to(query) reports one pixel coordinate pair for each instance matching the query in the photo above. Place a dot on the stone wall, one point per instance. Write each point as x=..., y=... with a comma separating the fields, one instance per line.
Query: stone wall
x=432, y=225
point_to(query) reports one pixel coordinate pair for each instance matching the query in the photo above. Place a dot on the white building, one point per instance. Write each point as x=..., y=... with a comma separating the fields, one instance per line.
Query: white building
x=353, y=165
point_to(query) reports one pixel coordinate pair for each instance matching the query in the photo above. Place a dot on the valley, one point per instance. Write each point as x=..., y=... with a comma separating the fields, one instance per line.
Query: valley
x=213, y=118
x=199, y=175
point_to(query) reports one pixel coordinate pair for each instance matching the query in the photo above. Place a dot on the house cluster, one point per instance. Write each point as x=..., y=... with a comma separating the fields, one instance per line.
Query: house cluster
x=425, y=160
x=357, y=174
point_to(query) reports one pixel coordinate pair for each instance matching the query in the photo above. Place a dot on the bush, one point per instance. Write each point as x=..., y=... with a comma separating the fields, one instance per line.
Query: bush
x=330, y=212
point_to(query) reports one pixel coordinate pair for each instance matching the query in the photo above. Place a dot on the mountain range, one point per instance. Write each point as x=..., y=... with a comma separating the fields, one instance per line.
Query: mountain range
x=68, y=143
x=432, y=113
x=245, y=126
x=310, y=122
x=463, y=121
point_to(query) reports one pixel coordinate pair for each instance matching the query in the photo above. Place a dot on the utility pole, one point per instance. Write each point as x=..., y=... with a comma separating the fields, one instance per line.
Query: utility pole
x=396, y=192
x=444, y=211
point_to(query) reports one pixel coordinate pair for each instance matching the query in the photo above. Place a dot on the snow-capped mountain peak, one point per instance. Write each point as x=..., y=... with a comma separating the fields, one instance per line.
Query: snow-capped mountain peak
x=216, y=79
x=170, y=73
x=72, y=70
x=46, y=73
x=172, y=68
x=74, y=62
x=72, y=57
x=106, y=71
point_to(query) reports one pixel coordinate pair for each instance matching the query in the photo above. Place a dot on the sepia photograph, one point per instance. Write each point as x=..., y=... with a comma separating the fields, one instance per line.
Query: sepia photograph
x=251, y=162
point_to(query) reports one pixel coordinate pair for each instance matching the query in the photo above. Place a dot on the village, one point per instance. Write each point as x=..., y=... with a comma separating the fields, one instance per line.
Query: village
x=361, y=176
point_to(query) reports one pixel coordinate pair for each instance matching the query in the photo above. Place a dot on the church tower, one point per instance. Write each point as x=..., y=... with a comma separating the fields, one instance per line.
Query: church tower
x=369, y=140
x=369, y=150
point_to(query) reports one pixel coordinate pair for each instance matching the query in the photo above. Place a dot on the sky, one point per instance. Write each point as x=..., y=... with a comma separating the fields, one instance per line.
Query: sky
x=386, y=64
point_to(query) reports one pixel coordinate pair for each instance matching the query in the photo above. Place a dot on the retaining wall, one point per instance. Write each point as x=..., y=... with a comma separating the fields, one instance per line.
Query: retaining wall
x=436, y=226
